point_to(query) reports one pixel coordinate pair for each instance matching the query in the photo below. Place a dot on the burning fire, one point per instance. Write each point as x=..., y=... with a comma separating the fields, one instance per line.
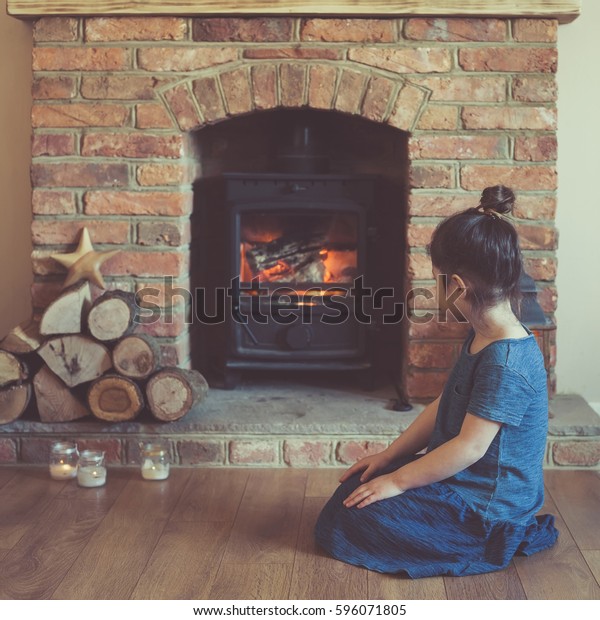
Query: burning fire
x=278, y=272
x=336, y=266
x=294, y=249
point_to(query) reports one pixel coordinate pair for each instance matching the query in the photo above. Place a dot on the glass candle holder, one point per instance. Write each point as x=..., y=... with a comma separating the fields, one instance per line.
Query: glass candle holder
x=91, y=471
x=63, y=460
x=155, y=461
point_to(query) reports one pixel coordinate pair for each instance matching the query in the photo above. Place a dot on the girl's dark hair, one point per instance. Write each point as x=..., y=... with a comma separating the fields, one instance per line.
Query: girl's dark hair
x=481, y=245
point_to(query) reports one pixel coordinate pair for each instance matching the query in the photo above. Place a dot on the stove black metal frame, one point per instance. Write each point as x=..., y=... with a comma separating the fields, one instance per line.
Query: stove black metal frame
x=234, y=346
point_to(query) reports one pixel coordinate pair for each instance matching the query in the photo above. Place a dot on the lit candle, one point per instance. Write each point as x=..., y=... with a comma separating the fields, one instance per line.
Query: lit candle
x=154, y=471
x=63, y=460
x=91, y=476
x=62, y=471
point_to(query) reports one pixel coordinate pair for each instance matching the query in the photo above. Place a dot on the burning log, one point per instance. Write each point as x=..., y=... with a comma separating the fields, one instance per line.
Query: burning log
x=288, y=258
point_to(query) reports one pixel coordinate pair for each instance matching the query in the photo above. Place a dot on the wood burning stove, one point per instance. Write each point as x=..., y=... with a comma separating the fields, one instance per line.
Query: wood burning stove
x=280, y=253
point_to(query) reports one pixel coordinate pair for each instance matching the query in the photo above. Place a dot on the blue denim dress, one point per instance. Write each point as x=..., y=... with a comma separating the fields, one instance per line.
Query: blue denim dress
x=477, y=520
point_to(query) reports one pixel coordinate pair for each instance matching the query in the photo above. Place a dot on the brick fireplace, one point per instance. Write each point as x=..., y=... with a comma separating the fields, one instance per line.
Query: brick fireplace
x=124, y=107
x=121, y=102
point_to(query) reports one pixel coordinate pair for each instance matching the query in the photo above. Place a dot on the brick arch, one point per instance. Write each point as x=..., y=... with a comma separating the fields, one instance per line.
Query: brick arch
x=235, y=89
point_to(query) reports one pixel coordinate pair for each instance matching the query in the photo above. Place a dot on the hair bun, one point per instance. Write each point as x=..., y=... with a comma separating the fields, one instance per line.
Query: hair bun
x=498, y=198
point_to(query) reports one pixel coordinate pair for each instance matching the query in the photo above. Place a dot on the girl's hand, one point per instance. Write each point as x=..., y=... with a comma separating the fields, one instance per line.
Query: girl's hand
x=370, y=464
x=374, y=491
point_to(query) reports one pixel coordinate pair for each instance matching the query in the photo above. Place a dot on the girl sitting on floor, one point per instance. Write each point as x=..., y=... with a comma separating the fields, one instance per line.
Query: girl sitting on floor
x=469, y=503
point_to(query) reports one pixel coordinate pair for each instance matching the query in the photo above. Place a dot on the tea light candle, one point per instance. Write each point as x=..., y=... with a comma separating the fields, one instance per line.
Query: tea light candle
x=63, y=460
x=91, y=476
x=62, y=471
x=154, y=471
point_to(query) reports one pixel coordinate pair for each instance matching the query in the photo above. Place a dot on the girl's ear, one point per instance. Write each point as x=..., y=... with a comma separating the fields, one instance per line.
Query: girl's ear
x=458, y=281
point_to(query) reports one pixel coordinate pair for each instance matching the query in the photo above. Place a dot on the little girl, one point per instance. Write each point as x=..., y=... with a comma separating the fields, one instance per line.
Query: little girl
x=469, y=503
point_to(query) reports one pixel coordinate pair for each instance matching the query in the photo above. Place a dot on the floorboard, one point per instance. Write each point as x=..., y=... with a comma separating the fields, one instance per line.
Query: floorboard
x=23, y=500
x=185, y=561
x=211, y=495
x=577, y=496
x=316, y=575
x=104, y=496
x=252, y=582
x=153, y=498
x=499, y=586
x=396, y=588
x=592, y=557
x=323, y=482
x=266, y=526
x=112, y=562
x=6, y=474
x=558, y=573
x=35, y=566
x=246, y=534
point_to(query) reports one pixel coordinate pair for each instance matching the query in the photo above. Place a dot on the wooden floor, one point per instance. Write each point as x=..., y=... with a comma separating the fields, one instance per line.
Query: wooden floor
x=239, y=534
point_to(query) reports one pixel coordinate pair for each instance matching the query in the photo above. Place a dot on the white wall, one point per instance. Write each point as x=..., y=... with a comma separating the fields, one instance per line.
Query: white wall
x=578, y=213
x=15, y=159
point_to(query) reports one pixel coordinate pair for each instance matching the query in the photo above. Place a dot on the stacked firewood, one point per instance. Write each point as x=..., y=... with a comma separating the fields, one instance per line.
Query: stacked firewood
x=85, y=357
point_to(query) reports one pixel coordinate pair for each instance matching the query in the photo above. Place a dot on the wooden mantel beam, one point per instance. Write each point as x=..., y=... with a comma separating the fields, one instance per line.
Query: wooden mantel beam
x=563, y=10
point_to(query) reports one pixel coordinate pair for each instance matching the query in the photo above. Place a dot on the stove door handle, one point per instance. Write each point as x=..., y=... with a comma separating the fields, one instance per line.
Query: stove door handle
x=250, y=334
x=294, y=188
x=236, y=312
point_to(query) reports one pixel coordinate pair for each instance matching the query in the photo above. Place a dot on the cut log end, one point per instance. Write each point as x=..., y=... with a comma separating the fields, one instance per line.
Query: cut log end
x=12, y=370
x=13, y=402
x=115, y=399
x=173, y=392
x=23, y=339
x=112, y=316
x=76, y=359
x=136, y=357
x=65, y=314
x=55, y=401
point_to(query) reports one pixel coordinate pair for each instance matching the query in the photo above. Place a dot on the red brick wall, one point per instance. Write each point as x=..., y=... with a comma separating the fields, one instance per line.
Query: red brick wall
x=115, y=98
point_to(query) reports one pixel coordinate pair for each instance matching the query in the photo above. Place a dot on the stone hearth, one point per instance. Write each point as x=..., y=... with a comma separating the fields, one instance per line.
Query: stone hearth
x=280, y=423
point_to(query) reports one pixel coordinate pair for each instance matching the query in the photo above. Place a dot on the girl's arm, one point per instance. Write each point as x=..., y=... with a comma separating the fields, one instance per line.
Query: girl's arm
x=416, y=437
x=462, y=451
x=413, y=440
